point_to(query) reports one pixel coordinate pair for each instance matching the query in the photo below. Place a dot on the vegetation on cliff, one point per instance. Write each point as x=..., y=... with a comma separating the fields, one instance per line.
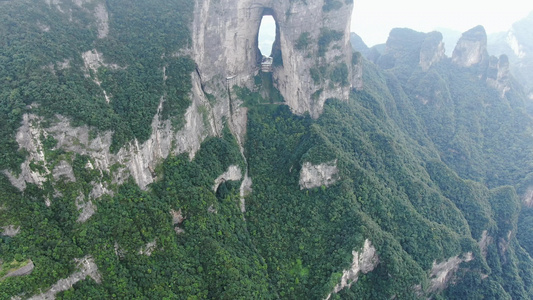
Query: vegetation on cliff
x=432, y=166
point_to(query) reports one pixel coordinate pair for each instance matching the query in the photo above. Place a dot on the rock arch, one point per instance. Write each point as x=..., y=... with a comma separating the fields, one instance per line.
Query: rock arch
x=224, y=34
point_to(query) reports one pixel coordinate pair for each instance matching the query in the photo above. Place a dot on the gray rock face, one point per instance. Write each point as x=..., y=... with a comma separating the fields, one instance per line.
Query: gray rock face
x=517, y=44
x=527, y=198
x=63, y=171
x=364, y=261
x=225, y=48
x=498, y=74
x=471, y=49
x=484, y=242
x=245, y=190
x=432, y=50
x=10, y=230
x=409, y=47
x=148, y=249
x=137, y=159
x=86, y=208
x=23, y=271
x=233, y=173
x=318, y=175
x=87, y=267
x=442, y=273
x=29, y=138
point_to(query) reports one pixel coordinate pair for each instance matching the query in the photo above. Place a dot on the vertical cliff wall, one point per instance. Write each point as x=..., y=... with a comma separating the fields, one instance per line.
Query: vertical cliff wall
x=312, y=53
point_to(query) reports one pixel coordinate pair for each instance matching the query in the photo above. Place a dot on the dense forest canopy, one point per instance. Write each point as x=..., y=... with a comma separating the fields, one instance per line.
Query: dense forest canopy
x=431, y=170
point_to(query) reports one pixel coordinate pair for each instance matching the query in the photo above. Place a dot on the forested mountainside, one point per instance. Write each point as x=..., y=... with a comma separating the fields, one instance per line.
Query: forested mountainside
x=139, y=160
x=517, y=44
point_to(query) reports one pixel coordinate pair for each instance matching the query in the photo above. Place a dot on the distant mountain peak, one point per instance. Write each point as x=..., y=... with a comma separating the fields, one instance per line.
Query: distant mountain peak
x=471, y=49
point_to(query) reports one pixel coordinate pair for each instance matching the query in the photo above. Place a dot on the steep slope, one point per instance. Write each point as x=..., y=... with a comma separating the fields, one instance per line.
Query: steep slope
x=517, y=44
x=475, y=115
x=145, y=155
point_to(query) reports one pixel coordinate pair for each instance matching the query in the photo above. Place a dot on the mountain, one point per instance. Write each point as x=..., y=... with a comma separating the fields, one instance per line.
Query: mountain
x=147, y=153
x=517, y=44
x=371, y=53
x=450, y=38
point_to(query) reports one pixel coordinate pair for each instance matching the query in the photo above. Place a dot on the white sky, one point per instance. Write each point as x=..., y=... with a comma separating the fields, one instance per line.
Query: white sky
x=373, y=19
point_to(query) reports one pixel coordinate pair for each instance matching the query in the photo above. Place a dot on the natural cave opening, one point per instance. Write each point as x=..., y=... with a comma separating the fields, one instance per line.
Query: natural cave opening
x=266, y=35
x=268, y=48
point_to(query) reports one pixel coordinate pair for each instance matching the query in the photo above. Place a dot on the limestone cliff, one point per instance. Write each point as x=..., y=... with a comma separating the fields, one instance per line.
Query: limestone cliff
x=364, y=261
x=471, y=49
x=406, y=46
x=498, y=74
x=225, y=49
x=442, y=273
x=432, y=50
x=87, y=268
x=517, y=44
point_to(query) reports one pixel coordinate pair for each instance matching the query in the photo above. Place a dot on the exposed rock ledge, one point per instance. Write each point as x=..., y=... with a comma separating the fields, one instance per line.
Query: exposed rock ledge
x=87, y=208
x=364, y=262
x=324, y=174
x=233, y=173
x=245, y=190
x=527, y=198
x=135, y=157
x=224, y=41
x=471, y=49
x=484, y=242
x=442, y=273
x=23, y=271
x=148, y=249
x=87, y=268
x=10, y=230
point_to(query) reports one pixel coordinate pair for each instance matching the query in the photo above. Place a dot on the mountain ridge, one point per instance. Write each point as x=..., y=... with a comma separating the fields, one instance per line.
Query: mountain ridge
x=167, y=165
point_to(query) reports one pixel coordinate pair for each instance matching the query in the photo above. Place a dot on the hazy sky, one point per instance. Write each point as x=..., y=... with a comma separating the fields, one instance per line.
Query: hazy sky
x=373, y=19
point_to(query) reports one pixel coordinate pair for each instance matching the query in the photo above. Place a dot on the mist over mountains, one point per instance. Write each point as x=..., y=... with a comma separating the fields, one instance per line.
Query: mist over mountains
x=148, y=151
x=516, y=44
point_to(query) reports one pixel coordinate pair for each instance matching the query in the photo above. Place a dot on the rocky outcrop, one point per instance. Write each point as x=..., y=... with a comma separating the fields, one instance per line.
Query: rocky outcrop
x=442, y=273
x=177, y=219
x=409, y=47
x=484, y=242
x=224, y=35
x=324, y=174
x=22, y=271
x=245, y=190
x=86, y=208
x=64, y=171
x=224, y=45
x=517, y=44
x=102, y=18
x=498, y=74
x=34, y=169
x=148, y=249
x=527, y=198
x=135, y=159
x=233, y=173
x=504, y=243
x=432, y=50
x=10, y=230
x=87, y=269
x=364, y=261
x=471, y=49
x=93, y=60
